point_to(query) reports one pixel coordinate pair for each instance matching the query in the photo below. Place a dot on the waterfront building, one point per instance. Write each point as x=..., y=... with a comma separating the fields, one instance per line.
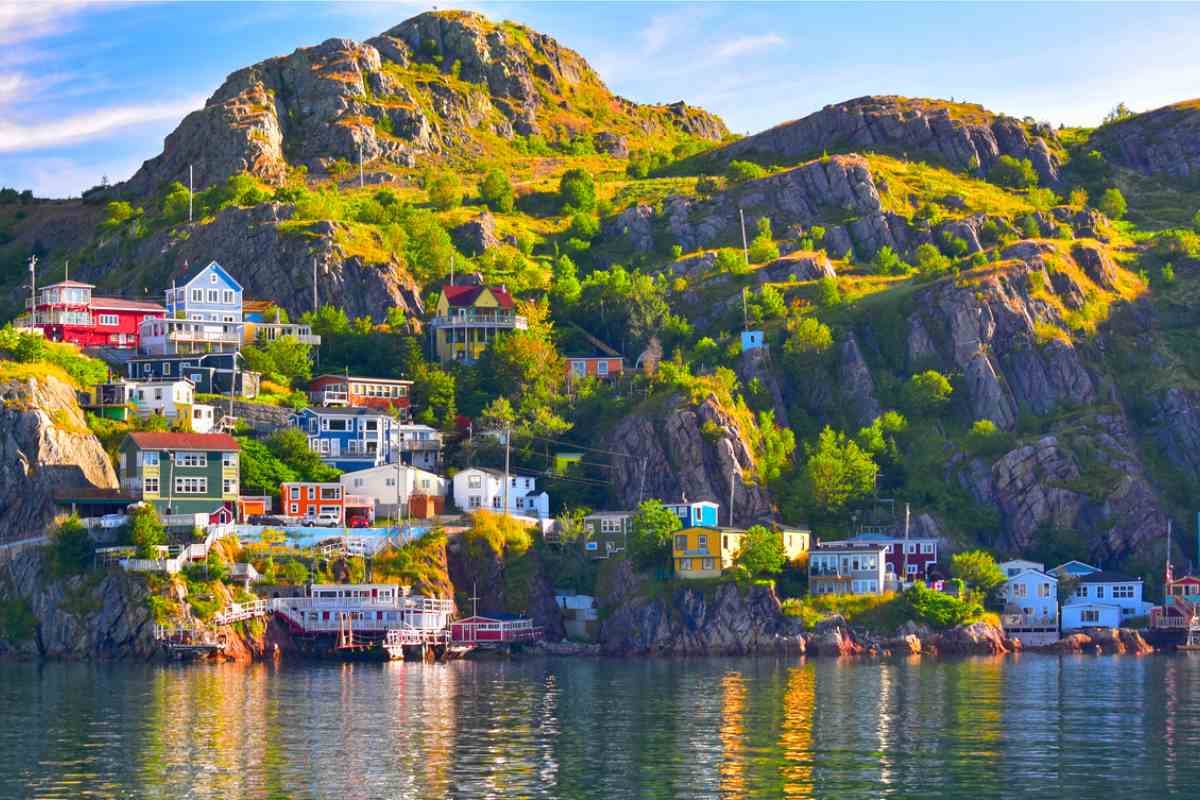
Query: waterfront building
x=906, y=558
x=702, y=552
x=1031, y=607
x=180, y=473
x=847, y=568
x=1104, y=599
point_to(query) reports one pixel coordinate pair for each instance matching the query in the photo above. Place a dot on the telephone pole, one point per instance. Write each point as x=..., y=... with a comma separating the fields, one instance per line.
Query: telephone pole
x=507, y=442
x=190, y=184
x=732, y=479
x=33, y=288
x=745, y=247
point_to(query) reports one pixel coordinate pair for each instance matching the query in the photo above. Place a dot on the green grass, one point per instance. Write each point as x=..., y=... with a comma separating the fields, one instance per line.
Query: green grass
x=882, y=613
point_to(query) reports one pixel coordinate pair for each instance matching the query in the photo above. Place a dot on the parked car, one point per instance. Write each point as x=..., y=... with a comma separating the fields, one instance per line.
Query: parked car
x=325, y=519
x=359, y=522
x=268, y=519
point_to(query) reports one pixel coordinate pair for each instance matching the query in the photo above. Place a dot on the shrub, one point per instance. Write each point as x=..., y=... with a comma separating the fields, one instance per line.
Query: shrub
x=1112, y=203
x=497, y=191
x=929, y=261
x=828, y=293
x=807, y=336
x=954, y=246
x=1168, y=273
x=577, y=190
x=740, y=171
x=985, y=439
x=147, y=531
x=1008, y=171
x=650, y=534
x=1030, y=227
x=887, y=262
x=1042, y=199
x=731, y=261
x=761, y=551
x=940, y=610
x=1078, y=198
x=763, y=247
x=927, y=391
x=71, y=548
x=445, y=191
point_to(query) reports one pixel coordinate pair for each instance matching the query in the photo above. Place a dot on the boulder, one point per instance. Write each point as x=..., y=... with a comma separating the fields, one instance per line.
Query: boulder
x=1097, y=264
x=977, y=638
x=477, y=235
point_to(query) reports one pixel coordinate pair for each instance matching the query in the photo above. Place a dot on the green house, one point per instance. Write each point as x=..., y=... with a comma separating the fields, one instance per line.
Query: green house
x=606, y=532
x=180, y=473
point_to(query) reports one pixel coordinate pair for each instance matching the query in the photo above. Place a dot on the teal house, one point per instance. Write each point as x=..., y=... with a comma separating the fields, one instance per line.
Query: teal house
x=181, y=473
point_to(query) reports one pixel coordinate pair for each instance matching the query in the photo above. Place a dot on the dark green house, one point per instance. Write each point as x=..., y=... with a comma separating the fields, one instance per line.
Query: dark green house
x=181, y=473
x=606, y=532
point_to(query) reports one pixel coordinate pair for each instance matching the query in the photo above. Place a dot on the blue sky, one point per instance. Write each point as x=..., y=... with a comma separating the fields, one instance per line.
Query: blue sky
x=89, y=89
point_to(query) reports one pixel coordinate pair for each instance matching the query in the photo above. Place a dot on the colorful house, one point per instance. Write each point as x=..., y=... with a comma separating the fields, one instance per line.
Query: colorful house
x=420, y=445
x=477, y=488
x=262, y=323
x=1073, y=569
x=307, y=499
x=907, y=559
x=586, y=356
x=210, y=373
x=796, y=542
x=173, y=400
x=1099, y=595
x=496, y=629
x=204, y=315
x=392, y=486
x=1031, y=607
x=349, y=439
x=356, y=392
x=701, y=552
x=469, y=318
x=699, y=514
x=1180, y=604
x=181, y=473
x=68, y=311
x=606, y=533
x=847, y=568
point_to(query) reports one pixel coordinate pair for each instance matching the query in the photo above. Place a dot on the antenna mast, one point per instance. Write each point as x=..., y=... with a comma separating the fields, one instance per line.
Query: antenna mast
x=190, y=191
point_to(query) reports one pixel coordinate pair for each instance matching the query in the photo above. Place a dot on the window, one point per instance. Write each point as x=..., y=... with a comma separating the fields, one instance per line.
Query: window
x=1081, y=591
x=685, y=565
x=927, y=548
x=520, y=502
x=294, y=493
x=681, y=541
x=229, y=486
x=197, y=295
x=358, y=482
x=607, y=525
x=1020, y=590
x=106, y=319
x=1090, y=615
x=709, y=563
x=473, y=501
x=602, y=368
x=1123, y=591
x=496, y=502
x=212, y=277
x=910, y=548
x=889, y=548
x=227, y=297
x=150, y=458
x=392, y=482
x=1043, y=589
x=229, y=460
x=331, y=492
x=293, y=508
x=191, y=485
x=191, y=459
x=1099, y=590
x=150, y=485
x=474, y=481
x=312, y=492
x=912, y=569
x=337, y=425
x=214, y=296
x=578, y=368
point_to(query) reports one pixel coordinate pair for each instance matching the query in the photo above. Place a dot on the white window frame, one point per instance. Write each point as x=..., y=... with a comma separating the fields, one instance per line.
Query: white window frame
x=192, y=460
x=150, y=484
x=188, y=484
x=107, y=320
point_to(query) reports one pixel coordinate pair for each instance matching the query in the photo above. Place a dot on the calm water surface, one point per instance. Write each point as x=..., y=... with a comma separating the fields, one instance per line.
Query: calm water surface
x=1035, y=726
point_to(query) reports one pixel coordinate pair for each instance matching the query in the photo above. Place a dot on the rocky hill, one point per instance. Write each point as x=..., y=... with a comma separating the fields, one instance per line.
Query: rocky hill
x=449, y=84
x=1165, y=141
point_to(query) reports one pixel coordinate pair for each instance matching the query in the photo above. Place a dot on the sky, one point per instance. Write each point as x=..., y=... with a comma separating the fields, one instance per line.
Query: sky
x=89, y=90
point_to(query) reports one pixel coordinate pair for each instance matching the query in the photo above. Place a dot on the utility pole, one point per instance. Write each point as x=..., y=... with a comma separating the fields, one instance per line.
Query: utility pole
x=316, y=308
x=67, y=270
x=190, y=191
x=507, y=441
x=642, y=484
x=745, y=247
x=33, y=288
x=745, y=317
x=732, y=480
x=904, y=558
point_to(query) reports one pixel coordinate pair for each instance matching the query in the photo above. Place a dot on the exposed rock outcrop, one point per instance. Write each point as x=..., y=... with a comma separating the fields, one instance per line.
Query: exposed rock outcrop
x=961, y=134
x=476, y=235
x=691, y=451
x=1109, y=641
x=1165, y=141
x=976, y=639
x=269, y=260
x=45, y=445
x=481, y=570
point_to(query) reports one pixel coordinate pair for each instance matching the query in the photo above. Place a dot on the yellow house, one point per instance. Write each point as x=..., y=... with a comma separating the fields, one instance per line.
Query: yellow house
x=704, y=552
x=469, y=318
x=796, y=542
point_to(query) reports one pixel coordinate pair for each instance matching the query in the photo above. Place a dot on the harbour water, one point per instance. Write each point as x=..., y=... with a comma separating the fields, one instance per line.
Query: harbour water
x=1028, y=726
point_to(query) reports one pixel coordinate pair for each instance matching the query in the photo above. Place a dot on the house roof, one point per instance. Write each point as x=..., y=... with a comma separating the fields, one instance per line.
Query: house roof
x=1027, y=572
x=1067, y=565
x=464, y=296
x=864, y=547
x=597, y=514
x=888, y=538
x=125, y=305
x=495, y=473
x=578, y=343
x=348, y=411
x=167, y=440
x=190, y=276
x=361, y=378
x=1107, y=576
x=72, y=285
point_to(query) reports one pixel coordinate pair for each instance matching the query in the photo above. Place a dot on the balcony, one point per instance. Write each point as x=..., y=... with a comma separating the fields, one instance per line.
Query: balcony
x=270, y=331
x=222, y=337
x=505, y=320
x=410, y=445
x=331, y=397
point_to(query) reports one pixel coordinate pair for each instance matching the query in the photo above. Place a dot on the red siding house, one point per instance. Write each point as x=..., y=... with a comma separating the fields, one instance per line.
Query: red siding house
x=68, y=312
x=501, y=629
x=306, y=500
x=907, y=559
x=602, y=367
x=357, y=392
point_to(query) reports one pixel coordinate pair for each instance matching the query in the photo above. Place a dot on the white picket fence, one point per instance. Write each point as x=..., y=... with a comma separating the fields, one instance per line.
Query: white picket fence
x=174, y=562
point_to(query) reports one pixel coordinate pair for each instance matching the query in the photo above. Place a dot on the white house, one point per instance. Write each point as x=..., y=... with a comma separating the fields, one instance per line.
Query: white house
x=477, y=488
x=1017, y=566
x=1031, y=607
x=420, y=445
x=172, y=399
x=1104, y=599
x=381, y=485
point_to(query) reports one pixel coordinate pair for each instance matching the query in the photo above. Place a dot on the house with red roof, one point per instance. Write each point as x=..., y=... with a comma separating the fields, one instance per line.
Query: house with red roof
x=469, y=317
x=181, y=473
x=68, y=311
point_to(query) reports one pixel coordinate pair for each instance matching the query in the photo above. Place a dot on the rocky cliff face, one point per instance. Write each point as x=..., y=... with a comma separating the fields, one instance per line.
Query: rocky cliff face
x=270, y=260
x=961, y=135
x=93, y=616
x=484, y=573
x=44, y=445
x=427, y=87
x=692, y=451
x=1165, y=141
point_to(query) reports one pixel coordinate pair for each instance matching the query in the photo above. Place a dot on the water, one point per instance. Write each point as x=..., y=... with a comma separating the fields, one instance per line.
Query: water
x=1035, y=726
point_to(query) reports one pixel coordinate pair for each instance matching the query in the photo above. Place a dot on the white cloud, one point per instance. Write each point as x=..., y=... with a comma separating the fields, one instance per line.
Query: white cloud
x=747, y=44
x=33, y=20
x=10, y=84
x=16, y=137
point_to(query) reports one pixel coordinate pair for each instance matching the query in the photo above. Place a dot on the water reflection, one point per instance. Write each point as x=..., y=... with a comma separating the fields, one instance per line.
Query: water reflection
x=1074, y=727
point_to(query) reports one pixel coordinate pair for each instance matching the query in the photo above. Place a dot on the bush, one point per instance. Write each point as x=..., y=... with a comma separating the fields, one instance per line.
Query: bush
x=828, y=293
x=940, y=610
x=1168, y=273
x=1008, y=171
x=887, y=262
x=740, y=171
x=577, y=190
x=1112, y=203
x=731, y=261
x=763, y=247
x=761, y=551
x=650, y=534
x=71, y=548
x=985, y=439
x=954, y=246
x=927, y=391
x=445, y=191
x=147, y=531
x=929, y=261
x=497, y=192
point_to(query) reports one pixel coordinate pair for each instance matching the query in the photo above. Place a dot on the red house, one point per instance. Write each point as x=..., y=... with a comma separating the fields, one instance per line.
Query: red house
x=907, y=559
x=602, y=367
x=501, y=629
x=69, y=312
x=349, y=390
x=307, y=500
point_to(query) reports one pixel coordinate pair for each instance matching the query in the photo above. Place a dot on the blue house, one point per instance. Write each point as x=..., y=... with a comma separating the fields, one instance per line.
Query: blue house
x=204, y=315
x=210, y=373
x=349, y=439
x=700, y=514
x=751, y=340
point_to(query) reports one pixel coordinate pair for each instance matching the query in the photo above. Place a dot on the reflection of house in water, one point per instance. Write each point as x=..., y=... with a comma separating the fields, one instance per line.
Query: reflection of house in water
x=796, y=732
x=733, y=732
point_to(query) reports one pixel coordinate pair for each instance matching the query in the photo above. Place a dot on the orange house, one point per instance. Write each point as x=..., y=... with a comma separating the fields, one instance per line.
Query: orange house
x=307, y=500
x=602, y=367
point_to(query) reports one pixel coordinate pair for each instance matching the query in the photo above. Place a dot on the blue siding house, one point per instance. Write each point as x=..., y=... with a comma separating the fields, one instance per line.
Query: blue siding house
x=700, y=514
x=349, y=439
x=204, y=315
